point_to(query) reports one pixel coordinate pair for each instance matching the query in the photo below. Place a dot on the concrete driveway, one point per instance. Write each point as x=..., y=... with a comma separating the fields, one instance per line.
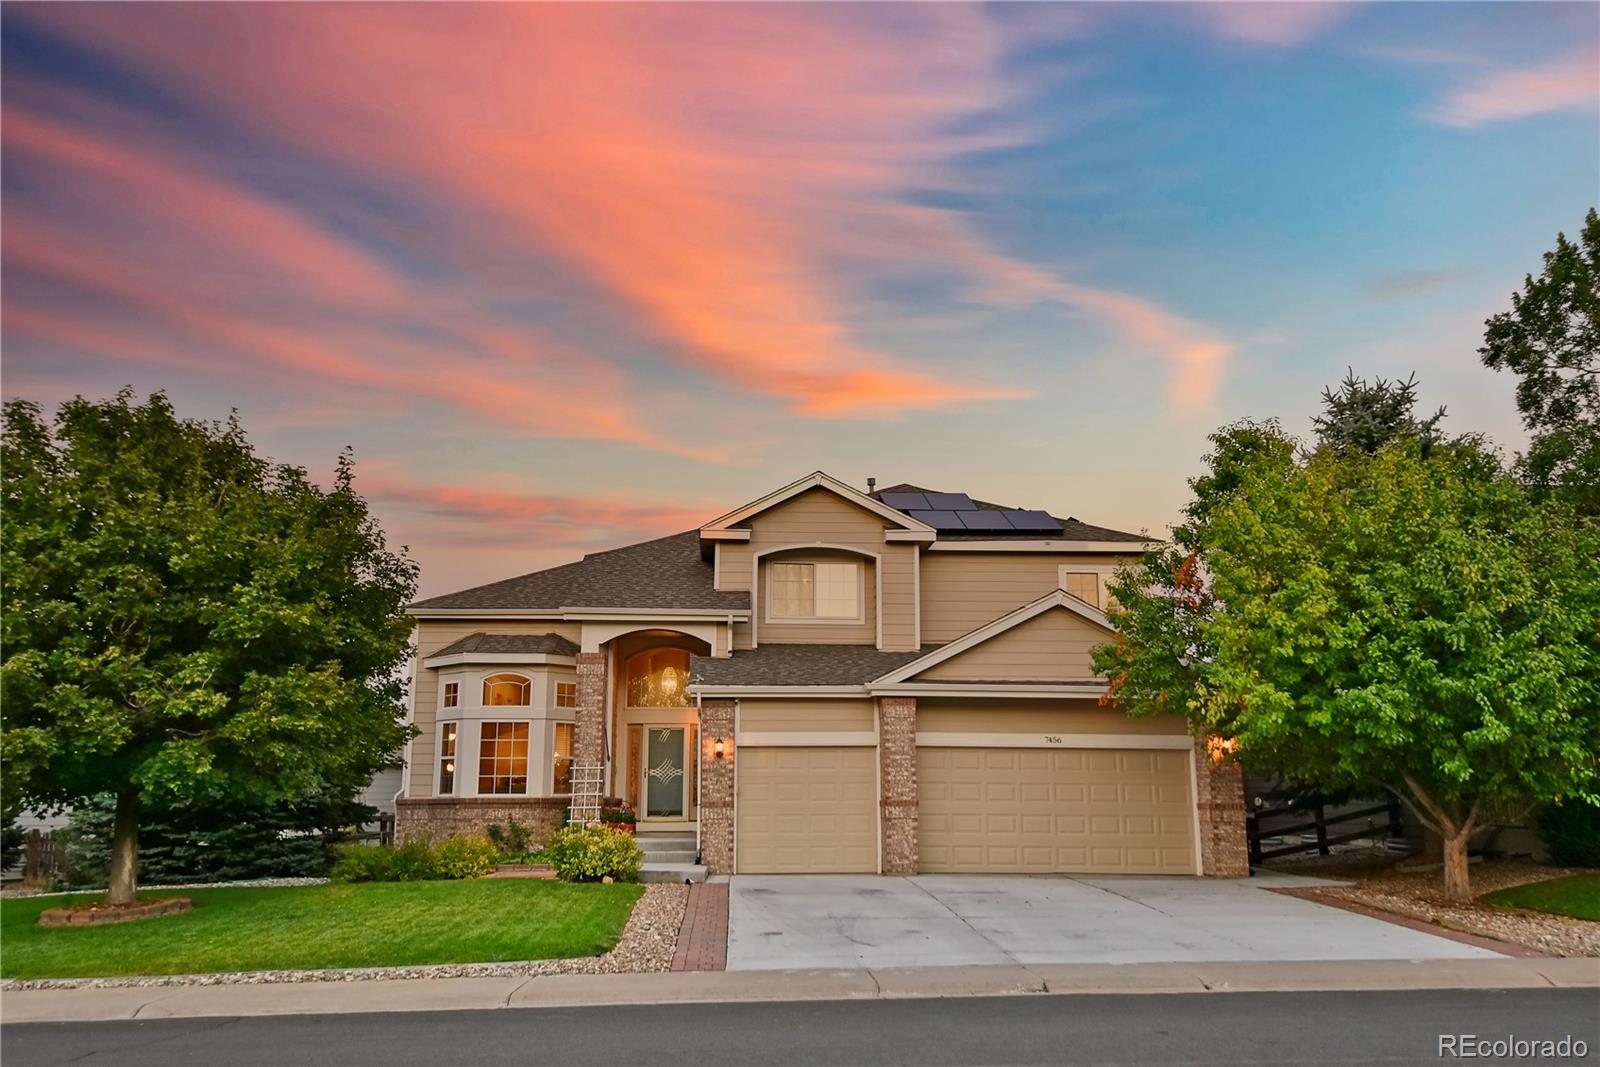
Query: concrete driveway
x=806, y=921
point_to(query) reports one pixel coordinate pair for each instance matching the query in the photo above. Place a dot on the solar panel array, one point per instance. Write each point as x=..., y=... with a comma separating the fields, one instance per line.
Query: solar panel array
x=956, y=513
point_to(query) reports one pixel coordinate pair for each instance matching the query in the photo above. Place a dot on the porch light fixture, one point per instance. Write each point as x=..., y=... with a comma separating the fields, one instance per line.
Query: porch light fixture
x=719, y=748
x=669, y=681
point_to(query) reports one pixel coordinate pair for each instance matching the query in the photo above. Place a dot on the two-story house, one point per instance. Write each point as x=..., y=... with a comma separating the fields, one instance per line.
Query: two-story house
x=823, y=680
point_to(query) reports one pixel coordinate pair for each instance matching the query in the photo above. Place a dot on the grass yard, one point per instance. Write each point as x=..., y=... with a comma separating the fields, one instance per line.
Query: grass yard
x=1577, y=895
x=379, y=924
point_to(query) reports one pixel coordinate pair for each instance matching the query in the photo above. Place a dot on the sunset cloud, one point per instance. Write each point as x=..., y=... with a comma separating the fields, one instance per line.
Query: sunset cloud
x=1566, y=82
x=719, y=184
x=1270, y=23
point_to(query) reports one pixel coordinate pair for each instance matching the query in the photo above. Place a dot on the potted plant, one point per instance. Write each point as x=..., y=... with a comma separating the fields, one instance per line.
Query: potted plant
x=620, y=818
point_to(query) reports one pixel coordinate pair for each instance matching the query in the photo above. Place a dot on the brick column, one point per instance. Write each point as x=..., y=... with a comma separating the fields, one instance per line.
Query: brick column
x=716, y=786
x=897, y=776
x=1219, y=788
x=589, y=720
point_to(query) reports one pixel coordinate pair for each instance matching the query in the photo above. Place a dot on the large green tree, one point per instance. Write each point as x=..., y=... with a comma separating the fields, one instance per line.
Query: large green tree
x=1551, y=340
x=1400, y=615
x=183, y=618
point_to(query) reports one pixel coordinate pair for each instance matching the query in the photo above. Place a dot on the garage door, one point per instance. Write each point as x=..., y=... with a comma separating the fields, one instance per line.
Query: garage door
x=806, y=811
x=1038, y=811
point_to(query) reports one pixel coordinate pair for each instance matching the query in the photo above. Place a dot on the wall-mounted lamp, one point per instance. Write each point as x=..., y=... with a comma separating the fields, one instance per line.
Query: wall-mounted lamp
x=719, y=748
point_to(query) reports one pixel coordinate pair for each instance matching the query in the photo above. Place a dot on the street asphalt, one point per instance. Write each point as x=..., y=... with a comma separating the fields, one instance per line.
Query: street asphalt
x=1235, y=1029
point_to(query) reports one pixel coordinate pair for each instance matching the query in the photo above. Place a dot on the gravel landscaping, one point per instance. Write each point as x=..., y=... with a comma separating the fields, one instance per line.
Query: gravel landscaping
x=647, y=944
x=1417, y=895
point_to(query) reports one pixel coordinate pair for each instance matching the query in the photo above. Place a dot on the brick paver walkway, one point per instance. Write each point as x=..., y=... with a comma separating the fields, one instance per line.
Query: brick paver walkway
x=703, y=937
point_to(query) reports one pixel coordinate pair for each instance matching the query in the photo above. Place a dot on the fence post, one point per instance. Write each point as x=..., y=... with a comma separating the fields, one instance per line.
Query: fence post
x=1322, y=830
x=385, y=829
x=1252, y=833
x=1397, y=828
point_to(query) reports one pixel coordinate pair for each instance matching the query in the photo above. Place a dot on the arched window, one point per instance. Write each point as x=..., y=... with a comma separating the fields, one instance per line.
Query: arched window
x=659, y=679
x=507, y=690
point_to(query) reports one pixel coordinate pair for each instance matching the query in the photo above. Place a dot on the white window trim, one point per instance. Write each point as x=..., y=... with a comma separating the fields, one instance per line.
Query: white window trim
x=477, y=753
x=439, y=757
x=444, y=704
x=483, y=680
x=550, y=753
x=816, y=620
x=1101, y=570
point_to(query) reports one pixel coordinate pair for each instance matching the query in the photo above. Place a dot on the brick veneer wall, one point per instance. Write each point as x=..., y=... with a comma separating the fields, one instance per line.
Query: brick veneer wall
x=897, y=777
x=440, y=817
x=716, y=786
x=589, y=720
x=1224, y=849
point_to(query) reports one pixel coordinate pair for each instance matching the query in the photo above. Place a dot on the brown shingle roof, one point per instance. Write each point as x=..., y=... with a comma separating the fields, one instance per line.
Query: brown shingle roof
x=549, y=644
x=1071, y=528
x=665, y=573
x=800, y=665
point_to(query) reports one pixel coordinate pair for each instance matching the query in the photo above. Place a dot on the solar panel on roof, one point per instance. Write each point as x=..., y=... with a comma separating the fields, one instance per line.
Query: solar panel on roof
x=984, y=520
x=906, y=501
x=950, y=502
x=939, y=520
x=1032, y=520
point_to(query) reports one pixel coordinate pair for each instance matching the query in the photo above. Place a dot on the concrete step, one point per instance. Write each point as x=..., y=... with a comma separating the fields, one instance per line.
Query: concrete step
x=669, y=855
x=677, y=873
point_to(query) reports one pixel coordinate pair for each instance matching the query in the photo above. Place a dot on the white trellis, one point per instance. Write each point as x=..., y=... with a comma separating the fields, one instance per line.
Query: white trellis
x=588, y=789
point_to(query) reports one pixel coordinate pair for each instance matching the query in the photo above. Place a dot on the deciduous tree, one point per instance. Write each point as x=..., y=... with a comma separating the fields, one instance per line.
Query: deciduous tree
x=183, y=617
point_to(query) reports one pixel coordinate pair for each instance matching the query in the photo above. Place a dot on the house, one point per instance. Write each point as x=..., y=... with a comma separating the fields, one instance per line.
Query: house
x=822, y=680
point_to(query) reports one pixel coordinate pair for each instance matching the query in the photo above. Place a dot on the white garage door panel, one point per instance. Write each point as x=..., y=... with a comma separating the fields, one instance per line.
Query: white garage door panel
x=806, y=810
x=1038, y=811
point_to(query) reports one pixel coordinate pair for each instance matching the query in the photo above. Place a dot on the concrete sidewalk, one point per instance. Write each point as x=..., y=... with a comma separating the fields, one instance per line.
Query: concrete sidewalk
x=551, y=991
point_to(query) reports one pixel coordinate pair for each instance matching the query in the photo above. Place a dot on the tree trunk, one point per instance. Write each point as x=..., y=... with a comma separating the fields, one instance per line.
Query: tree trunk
x=1456, y=885
x=125, y=850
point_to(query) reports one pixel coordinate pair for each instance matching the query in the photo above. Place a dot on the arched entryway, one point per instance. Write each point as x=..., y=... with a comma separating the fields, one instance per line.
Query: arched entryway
x=654, y=728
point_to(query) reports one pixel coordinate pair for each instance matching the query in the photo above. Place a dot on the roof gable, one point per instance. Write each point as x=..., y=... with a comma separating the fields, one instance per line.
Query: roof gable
x=725, y=527
x=1047, y=640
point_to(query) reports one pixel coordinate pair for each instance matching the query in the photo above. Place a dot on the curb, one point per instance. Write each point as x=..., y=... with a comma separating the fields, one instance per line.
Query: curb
x=596, y=990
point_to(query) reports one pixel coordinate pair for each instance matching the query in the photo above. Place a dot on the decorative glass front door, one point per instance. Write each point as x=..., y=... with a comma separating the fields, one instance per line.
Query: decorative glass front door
x=665, y=783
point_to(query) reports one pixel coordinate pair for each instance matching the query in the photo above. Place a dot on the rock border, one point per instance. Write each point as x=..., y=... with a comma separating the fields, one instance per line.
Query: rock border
x=647, y=943
x=107, y=914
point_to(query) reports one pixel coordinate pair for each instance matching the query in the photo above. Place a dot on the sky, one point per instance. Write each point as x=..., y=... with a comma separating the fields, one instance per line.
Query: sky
x=567, y=277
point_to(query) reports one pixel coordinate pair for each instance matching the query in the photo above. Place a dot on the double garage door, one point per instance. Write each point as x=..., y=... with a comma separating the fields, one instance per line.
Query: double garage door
x=1045, y=810
x=813, y=810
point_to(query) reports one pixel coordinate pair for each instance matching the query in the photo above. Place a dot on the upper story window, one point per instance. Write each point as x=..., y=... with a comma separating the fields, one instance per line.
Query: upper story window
x=659, y=679
x=815, y=591
x=1085, y=585
x=507, y=690
x=566, y=694
x=452, y=694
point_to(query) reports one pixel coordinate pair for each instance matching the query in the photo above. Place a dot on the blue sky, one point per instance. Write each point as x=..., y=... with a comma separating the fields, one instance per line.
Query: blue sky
x=570, y=276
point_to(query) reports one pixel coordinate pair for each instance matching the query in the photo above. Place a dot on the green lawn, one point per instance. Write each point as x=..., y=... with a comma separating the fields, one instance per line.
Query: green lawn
x=1577, y=895
x=336, y=925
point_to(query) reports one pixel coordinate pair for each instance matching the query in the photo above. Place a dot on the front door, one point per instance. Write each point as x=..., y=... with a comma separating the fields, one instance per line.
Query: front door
x=666, y=785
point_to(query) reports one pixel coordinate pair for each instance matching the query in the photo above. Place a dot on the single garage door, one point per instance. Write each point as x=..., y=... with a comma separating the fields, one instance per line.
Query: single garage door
x=806, y=811
x=1041, y=811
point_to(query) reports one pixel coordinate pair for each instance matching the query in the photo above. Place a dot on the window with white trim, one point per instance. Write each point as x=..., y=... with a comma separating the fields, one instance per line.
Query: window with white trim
x=566, y=694
x=815, y=590
x=503, y=758
x=1085, y=585
x=507, y=690
x=448, y=732
x=562, y=777
x=452, y=694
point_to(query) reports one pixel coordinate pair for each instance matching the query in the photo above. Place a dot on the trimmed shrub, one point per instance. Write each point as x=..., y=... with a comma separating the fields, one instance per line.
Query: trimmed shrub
x=411, y=861
x=361, y=863
x=464, y=857
x=592, y=853
x=1572, y=833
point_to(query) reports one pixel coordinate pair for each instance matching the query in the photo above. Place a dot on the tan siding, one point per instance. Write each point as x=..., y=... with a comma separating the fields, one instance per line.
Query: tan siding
x=733, y=566
x=818, y=515
x=864, y=632
x=1052, y=647
x=1043, y=717
x=431, y=637
x=963, y=590
x=800, y=715
x=899, y=597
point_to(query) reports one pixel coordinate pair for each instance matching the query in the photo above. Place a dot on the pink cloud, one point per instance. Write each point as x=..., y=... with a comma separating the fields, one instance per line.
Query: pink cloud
x=1567, y=82
x=720, y=181
x=1270, y=23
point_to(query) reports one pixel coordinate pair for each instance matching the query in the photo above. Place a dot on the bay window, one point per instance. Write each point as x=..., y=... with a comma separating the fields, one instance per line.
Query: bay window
x=503, y=758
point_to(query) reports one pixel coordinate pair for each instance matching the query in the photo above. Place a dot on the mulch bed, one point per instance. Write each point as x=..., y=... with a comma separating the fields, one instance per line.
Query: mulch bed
x=1420, y=895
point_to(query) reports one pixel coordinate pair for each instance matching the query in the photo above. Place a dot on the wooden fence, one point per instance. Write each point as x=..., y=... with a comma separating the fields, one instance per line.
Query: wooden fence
x=1320, y=822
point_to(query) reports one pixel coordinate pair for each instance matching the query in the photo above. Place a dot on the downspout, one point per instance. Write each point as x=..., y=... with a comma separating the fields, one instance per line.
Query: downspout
x=699, y=774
